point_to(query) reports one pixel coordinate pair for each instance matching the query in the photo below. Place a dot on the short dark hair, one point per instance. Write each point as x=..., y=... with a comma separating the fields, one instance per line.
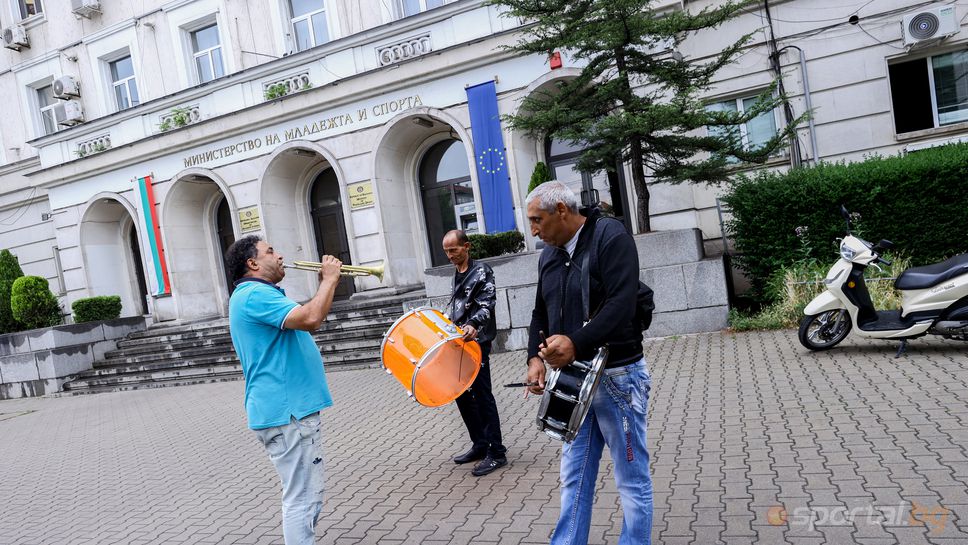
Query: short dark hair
x=461, y=236
x=239, y=253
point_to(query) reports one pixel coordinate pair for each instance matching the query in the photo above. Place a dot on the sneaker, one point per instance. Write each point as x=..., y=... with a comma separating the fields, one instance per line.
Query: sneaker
x=488, y=465
x=471, y=455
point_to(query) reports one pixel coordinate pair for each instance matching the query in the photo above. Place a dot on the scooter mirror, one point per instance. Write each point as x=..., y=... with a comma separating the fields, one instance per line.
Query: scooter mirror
x=846, y=215
x=884, y=244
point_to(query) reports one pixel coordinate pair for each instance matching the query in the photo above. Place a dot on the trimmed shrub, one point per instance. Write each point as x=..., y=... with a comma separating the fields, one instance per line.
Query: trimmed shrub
x=91, y=309
x=495, y=244
x=9, y=271
x=33, y=304
x=539, y=175
x=917, y=201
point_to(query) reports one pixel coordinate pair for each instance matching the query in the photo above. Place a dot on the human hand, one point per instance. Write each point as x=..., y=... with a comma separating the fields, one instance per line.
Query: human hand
x=536, y=376
x=558, y=351
x=470, y=332
x=329, y=268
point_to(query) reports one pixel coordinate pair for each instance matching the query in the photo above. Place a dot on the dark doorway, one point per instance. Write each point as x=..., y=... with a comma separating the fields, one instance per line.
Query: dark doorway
x=606, y=190
x=226, y=236
x=447, y=195
x=139, y=271
x=326, y=210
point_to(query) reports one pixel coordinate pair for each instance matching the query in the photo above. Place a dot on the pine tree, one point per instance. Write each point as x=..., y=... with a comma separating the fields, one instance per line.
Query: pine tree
x=635, y=98
x=9, y=271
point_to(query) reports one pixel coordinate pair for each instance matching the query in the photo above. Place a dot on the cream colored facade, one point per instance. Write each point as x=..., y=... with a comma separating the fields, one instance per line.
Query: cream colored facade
x=363, y=108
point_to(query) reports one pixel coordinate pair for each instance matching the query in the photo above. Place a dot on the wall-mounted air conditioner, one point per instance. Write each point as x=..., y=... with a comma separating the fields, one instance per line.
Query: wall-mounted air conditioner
x=85, y=8
x=15, y=37
x=930, y=24
x=69, y=113
x=66, y=88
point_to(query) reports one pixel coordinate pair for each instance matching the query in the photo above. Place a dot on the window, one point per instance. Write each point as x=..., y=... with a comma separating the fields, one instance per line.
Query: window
x=755, y=132
x=413, y=7
x=309, y=23
x=46, y=103
x=930, y=92
x=125, y=86
x=603, y=189
x=448, y=198
x=207, y=52
x=29, y=8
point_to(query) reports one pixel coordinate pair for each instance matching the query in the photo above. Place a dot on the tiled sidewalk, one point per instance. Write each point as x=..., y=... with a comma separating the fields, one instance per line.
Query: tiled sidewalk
x=754, y=440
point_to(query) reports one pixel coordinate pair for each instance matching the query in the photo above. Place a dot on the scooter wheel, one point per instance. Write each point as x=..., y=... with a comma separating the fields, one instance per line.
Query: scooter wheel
x=824, y=330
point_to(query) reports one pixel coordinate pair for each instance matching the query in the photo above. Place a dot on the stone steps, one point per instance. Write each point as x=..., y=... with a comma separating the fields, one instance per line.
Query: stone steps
x=199, y=352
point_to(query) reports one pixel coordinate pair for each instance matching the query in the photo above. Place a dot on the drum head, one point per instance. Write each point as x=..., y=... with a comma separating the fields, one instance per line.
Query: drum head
x=446, y=372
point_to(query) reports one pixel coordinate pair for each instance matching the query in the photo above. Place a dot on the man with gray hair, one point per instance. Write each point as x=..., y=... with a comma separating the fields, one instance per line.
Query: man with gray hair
x=617, y=416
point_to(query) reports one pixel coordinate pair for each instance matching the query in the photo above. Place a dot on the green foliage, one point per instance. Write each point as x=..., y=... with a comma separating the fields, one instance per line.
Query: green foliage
x=33, y=304
x=795, y=286
x=635, y=99
x=917, y=201
x=102, y=307
x=277, y=90
x=165, y=125
x=495, y=244
x=539, y=175
x=9, y=272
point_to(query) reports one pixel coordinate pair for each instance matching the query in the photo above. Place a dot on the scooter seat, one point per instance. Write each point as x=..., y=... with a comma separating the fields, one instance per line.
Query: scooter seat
x=928, y=276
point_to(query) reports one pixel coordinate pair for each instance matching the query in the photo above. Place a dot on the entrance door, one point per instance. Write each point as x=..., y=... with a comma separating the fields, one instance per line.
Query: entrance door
x=448, y=198
x=326, y=210
x=139, y=271
x=226, y=236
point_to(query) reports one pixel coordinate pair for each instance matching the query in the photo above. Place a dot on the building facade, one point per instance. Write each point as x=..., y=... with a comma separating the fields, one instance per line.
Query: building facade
x=139, y=139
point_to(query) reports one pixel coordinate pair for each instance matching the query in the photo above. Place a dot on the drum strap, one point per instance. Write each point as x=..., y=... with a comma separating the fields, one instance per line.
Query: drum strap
x=592, y=246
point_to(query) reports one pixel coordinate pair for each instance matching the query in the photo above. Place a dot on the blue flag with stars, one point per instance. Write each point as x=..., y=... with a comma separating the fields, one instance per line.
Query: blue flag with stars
x=492, y=166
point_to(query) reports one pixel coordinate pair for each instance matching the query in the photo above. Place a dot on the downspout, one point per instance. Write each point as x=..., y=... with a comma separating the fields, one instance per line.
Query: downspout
x=812, y=130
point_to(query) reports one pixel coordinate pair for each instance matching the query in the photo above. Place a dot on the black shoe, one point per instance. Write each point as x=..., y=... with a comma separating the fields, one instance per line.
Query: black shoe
x=488, y=465
x=470, y=456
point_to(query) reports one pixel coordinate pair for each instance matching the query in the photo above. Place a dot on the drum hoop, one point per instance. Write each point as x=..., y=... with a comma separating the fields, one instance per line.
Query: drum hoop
x=427, y=354
x=393, y=326
x=586, y=393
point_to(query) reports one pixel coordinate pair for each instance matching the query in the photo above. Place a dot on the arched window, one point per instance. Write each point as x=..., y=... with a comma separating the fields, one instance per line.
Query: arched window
x=447, y=195
x=604, y=189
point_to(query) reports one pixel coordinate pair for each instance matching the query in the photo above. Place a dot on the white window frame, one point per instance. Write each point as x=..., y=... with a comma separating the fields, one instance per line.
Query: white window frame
x=20, y=8
x=744, y=130
x=935, y=113
x=205, y=24
x=401, y=10
x=39, y=109
x=308, y=18
x=117, y=83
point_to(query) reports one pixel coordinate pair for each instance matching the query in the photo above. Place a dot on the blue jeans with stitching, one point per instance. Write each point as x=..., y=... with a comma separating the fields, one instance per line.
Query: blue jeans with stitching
x=617, y=418
x=295, y=450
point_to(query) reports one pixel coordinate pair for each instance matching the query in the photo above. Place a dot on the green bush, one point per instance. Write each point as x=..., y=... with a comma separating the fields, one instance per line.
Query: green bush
x=539, y=175
x=917, y=201
x=102, y=307
x=9, y=271
x=33, y=304
x=509, y=242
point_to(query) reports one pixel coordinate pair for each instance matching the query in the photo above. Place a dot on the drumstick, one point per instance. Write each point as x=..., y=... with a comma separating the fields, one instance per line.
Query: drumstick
x=520, y=384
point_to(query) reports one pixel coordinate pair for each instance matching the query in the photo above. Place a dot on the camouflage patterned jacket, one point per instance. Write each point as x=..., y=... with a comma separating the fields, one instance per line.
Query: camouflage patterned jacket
x=473, y=300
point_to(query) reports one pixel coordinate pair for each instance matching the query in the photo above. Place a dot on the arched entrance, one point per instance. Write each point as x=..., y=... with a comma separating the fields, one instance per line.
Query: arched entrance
x=447, y=194
x=111, y=252
x=225, y=235
x=329, y=229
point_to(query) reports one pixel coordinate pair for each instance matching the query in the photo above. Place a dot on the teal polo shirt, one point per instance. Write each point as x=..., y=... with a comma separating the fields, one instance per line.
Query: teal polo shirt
x=283, y=369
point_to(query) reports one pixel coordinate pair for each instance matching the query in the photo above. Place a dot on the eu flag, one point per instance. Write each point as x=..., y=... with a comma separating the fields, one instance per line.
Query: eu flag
x=492, y=166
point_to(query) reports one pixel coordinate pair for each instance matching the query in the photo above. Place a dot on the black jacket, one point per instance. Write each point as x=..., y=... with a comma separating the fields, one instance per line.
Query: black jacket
x=613, y=285
x=474, y=299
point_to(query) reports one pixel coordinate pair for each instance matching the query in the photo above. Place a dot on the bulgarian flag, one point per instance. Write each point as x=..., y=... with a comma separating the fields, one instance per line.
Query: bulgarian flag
x=154, y=235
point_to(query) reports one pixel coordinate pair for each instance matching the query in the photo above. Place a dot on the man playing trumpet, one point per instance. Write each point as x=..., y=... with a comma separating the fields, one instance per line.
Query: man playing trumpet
x=285, y=385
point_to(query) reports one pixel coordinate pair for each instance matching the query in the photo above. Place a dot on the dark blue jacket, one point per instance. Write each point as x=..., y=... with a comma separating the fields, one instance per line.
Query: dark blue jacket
x=613, y=288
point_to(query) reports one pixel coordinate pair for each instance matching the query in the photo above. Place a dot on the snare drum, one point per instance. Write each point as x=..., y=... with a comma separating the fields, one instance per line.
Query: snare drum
x=425, y=351
x=568, y=396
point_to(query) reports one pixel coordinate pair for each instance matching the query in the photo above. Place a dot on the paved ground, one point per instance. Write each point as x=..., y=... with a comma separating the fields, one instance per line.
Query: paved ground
x=754, y=440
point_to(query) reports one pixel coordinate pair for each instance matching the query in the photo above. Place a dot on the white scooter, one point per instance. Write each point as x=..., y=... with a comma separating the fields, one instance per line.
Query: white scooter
x=934, y=299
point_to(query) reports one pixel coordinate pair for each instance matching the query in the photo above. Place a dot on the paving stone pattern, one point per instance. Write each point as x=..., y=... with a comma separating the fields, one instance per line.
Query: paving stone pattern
x=754, y=440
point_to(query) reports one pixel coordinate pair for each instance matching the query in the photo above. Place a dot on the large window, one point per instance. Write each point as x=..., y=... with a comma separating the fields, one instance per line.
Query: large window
x=606, y=190
x=930, y=92
x=46, y=103
x=309, y=23
x=207, y=53
x=755, y=132
x=447, y=194
x=413, y=7
x=29, y=8
x=125, y=86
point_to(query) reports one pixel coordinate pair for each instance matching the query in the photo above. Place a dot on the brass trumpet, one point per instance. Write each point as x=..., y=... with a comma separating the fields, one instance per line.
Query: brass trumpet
x=345, y=270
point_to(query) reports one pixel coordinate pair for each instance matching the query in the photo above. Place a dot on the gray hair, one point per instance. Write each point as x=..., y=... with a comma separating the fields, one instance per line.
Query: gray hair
x=549, y=194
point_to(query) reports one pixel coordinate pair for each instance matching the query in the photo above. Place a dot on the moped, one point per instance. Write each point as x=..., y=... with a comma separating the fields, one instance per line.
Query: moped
x=934, y=299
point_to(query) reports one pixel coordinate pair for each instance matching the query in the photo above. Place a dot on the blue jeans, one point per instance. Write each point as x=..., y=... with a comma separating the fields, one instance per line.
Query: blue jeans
x=617, y=418
x=295, y=451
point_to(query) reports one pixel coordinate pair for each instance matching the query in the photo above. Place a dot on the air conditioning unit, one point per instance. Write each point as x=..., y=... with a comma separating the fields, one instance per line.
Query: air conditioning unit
x=15, y=37
x=69, y=113
x=66, y=87
x=85, y=8
x=930, y=24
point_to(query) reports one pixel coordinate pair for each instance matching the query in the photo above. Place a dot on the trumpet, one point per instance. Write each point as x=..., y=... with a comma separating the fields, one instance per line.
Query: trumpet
x=345, y=270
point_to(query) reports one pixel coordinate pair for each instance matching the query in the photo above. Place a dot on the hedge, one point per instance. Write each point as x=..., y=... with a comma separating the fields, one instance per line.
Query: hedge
x=33, y=304
x=9, y=271
x=919, y=201
x=91, y=309
x=491, y=245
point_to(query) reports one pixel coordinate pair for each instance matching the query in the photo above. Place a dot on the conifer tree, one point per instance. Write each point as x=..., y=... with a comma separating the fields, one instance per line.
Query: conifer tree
x=637, y=99
x=9, y=271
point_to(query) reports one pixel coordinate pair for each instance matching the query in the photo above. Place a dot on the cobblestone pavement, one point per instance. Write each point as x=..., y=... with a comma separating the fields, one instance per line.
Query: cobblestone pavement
x=754, y=440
